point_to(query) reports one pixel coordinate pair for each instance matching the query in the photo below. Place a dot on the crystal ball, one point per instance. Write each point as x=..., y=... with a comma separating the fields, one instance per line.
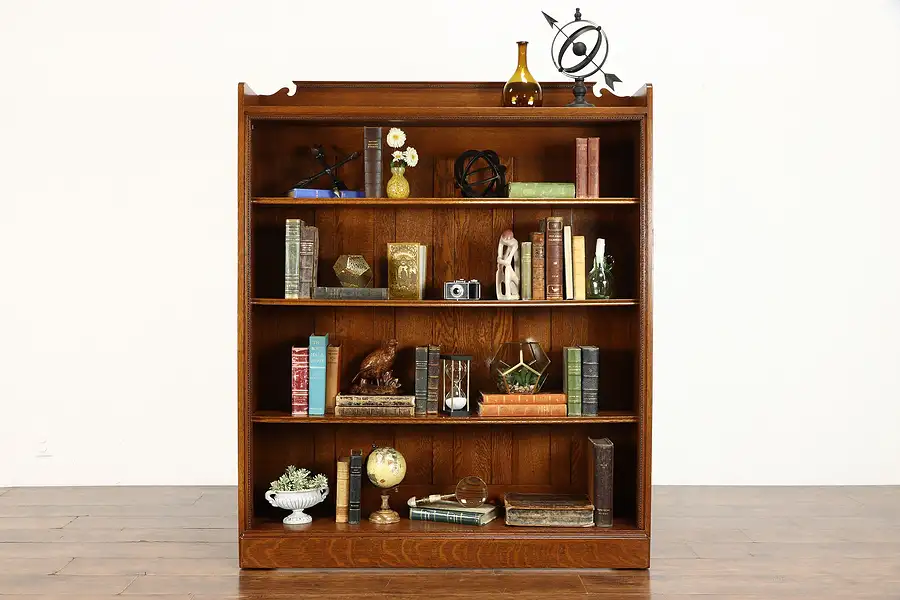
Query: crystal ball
x=386, y=467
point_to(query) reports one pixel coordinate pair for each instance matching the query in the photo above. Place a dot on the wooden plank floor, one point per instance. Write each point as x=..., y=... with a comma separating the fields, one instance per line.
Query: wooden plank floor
x=170, y=543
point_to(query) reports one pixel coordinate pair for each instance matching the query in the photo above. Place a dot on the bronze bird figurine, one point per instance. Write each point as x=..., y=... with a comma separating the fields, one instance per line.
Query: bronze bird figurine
x=375, y=375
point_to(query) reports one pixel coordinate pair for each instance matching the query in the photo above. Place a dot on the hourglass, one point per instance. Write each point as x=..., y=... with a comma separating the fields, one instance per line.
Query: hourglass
x=455, y=384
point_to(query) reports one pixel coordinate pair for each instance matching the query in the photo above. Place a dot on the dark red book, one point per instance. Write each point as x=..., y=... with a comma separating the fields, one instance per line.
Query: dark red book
x=593, y=167
x=581, y=168
x=300, y=381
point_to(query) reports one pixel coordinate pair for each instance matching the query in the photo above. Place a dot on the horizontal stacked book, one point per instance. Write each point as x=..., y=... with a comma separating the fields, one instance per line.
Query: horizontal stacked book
x=522, y=405
x=357, y=405
x=444, y=511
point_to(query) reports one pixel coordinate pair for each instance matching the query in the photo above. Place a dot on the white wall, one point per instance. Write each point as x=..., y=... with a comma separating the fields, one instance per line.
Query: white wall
x=776, y=287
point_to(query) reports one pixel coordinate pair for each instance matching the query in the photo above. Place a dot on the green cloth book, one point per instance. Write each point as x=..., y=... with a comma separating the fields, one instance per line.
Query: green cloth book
x=572, y=379
x=444, y=511
x=526, y=270
x=536, y=189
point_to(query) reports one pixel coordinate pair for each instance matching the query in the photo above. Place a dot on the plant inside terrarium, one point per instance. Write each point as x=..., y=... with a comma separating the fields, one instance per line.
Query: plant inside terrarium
x=520, y=367
x=298, y=480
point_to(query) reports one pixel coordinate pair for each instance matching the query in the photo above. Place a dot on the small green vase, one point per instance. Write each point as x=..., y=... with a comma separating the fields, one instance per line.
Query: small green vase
x=397, y=185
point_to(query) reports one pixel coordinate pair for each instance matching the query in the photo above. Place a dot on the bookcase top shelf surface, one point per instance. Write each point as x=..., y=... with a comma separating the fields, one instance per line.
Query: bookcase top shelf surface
x=480, y=202
x=448, y=115
x=603, y=417
x=445, y=303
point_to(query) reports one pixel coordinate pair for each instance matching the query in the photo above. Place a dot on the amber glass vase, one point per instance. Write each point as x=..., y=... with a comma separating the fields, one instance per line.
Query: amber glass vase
x=522, y=89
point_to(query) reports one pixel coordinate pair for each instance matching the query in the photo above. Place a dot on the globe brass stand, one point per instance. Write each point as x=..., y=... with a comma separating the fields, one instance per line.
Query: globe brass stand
x=384, y=516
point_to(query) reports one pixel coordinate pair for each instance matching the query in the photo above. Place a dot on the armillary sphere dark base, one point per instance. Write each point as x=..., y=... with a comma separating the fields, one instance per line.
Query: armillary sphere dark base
x=579, y=90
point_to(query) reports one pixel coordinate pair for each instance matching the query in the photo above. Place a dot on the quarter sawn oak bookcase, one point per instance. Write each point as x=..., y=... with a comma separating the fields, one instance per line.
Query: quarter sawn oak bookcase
x=523, y=454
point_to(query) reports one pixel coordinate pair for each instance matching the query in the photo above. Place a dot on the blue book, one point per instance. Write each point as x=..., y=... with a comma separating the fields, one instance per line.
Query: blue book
x=318, y=351
x=311, y=193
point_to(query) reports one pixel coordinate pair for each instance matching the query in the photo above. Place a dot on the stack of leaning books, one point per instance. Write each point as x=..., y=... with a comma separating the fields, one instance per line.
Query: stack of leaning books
x=522, y=405
x=446, y=511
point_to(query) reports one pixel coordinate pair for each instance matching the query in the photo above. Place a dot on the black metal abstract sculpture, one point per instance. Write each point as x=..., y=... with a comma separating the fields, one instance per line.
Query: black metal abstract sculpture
x=490, y=175
x=586, y=61
x=337, y=185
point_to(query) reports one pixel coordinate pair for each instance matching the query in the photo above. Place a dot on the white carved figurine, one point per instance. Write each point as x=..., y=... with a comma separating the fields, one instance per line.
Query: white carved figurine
x=508, y=267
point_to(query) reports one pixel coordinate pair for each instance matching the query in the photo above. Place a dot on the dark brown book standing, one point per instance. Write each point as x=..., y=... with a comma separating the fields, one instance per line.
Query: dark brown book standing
x=600, y=480
x=538, y=286
x=374, y=186
x=512, y=454
x=555, y=258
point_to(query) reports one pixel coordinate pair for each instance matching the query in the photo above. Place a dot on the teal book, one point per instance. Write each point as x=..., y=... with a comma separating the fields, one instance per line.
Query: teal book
x=571, y=380
x=536, y=189
x=318, y=359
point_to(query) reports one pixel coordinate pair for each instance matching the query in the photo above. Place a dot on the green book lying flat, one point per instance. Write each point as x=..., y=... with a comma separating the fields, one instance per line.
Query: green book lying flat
x=536, y=189
x=445, y=511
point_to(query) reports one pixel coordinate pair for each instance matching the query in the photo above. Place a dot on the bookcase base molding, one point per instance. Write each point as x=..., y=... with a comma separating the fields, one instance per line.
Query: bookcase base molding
x=521, y=454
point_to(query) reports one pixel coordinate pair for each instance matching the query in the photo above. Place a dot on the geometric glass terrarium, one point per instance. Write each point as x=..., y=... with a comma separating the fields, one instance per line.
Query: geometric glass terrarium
x=520, y=367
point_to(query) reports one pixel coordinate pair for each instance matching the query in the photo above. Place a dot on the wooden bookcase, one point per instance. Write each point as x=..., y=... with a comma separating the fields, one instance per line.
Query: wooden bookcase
x=511, y=454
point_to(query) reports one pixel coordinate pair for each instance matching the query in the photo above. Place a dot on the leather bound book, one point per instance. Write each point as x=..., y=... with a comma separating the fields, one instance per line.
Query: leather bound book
x=342, y=493
x=292, y=258
x=369, y=400
x=421, y=380
x=578, y=267
x=308, y=260
x=342, y=293
x=590, y=379
x=581, y=166
x=332, y=376
x=434, y=379
x=600, y=480
x=572, y=379
x=356, y=468
x=523, y=398
x=554, y=257
x=526, y=270
x=593, y=167
x=522, y=410
x=374, y=411
x=537, y=266
x=299, y=382
x=372, y=159
x=548, y=510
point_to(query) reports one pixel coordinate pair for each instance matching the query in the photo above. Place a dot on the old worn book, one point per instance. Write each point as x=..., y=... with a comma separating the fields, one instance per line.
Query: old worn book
x=421, y=380
x=554, y=256
x=374, y=411
x=434, y=379
x=299, y=382
x=581, y=174
x=318, y=363
x=372, y=162
x=526, y=270
x=356, y=468
x=548, y=510
x=590, y=380
x=292, y=258
x=445, y=511
x=308, y=260
x=522, y=410
x=572, y=379
x=568, y=263
x=342, y=293
x=543, y=398
x=538, y=291
x=593, y=167
x=332, y=376
x=540, y=189
x=342, y=490
x=600, y=480
x=370, y=400
x=406, y=271
x=578, y=267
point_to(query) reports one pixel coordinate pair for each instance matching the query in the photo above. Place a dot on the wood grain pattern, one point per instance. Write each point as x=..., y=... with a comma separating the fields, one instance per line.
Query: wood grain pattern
x=513, y=454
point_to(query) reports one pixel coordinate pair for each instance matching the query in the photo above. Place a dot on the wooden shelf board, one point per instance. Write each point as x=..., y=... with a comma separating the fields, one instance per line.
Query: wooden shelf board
x=452, y=115
x=444, y=201
x=324, y=527
x=270, y=416
x=443, y=303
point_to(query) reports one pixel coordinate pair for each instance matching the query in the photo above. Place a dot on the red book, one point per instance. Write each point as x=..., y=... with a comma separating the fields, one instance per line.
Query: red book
x=300, y=381
x=523, y=398
x=537, y=265
x=593, y=167
x=581, y=168
x=522, y=410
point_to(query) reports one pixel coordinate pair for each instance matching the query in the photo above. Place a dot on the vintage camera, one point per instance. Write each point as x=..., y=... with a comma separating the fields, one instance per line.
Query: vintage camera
x=462, y=290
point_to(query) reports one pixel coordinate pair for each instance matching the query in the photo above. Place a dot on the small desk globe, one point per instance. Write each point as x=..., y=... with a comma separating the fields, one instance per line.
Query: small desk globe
x=385, y=468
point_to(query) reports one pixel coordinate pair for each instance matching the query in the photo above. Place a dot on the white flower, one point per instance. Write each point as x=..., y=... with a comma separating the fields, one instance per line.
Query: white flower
x=396, y=138
x=398, y=155
x=412, y=157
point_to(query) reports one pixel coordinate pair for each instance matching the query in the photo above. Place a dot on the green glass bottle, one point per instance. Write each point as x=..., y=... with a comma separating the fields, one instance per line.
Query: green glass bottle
x=522, y=89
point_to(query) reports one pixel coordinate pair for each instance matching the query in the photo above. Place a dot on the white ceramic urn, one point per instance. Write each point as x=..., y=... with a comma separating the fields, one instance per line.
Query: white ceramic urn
x=297, y=502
